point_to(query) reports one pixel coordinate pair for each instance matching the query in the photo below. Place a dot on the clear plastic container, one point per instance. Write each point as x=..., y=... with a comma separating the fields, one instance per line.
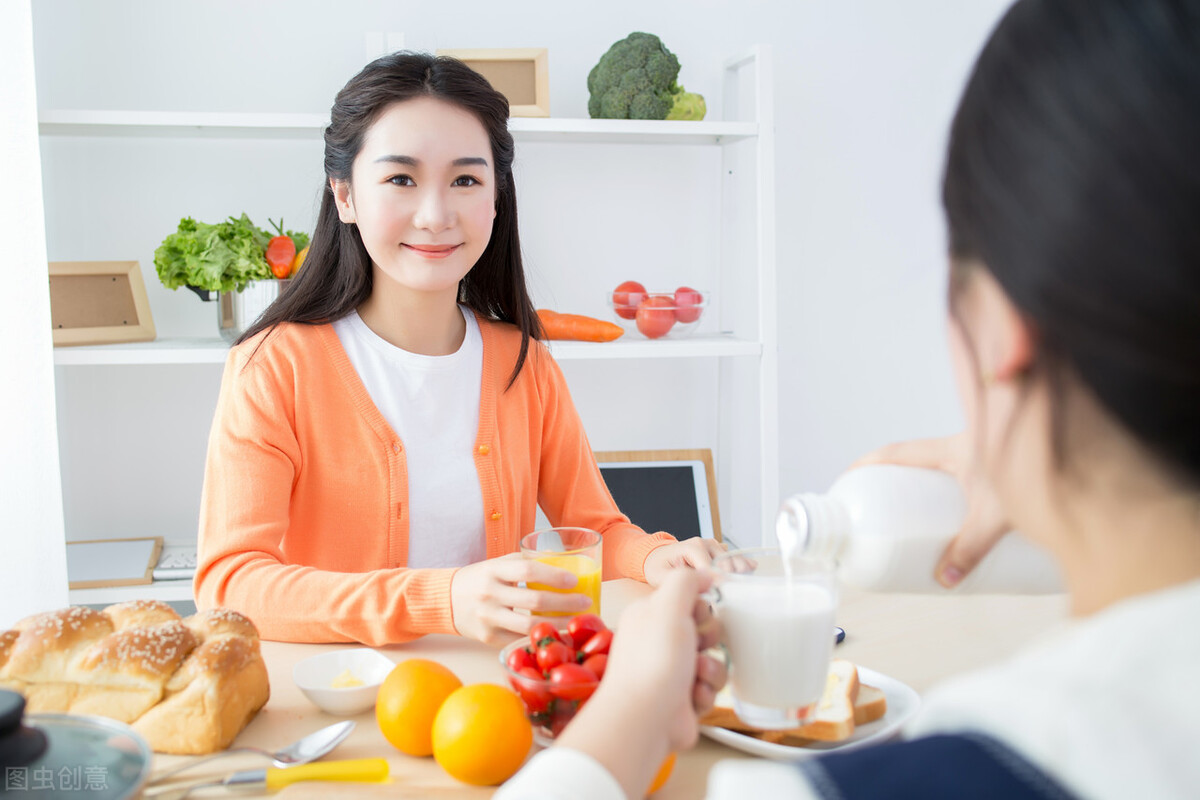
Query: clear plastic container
x=887, y=525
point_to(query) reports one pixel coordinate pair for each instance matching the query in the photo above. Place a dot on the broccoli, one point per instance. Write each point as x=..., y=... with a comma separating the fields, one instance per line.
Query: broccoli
x=687, y=105
x=635, y=79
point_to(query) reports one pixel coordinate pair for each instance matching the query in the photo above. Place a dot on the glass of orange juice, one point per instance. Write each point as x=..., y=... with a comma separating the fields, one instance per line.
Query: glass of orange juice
x=576, y=550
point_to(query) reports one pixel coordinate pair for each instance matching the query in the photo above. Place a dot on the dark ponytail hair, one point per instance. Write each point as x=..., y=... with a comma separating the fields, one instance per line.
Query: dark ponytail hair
x=1073, y=176
x=336, y=277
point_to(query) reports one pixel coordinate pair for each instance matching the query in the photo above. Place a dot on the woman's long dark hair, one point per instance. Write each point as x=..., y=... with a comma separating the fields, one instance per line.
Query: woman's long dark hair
x=1073, y=176
x=336, y=277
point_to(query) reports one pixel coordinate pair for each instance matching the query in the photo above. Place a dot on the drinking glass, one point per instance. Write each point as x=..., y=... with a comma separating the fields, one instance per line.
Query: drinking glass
x=576, y=550
x=778, y=620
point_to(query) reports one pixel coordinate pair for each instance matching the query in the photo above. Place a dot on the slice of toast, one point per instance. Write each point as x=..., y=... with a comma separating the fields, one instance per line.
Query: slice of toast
x=845, y=704
x=870, y=705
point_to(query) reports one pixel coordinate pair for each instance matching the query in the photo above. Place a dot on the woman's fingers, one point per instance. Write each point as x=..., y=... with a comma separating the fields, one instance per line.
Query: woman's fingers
x=965, y=551
x=539, y=601
x=941, y=453
x=515, y=568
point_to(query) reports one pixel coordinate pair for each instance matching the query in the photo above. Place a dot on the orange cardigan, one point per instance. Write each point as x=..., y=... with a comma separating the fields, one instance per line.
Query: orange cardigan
x=304, y=522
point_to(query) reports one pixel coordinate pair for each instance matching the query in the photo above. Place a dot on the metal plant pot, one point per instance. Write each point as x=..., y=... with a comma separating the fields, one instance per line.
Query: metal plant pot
x=237, y=311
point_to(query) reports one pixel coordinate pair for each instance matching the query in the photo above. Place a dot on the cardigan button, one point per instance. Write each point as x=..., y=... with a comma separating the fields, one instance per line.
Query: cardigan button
x=495, y=515
x=396, y=448
x=484, y=449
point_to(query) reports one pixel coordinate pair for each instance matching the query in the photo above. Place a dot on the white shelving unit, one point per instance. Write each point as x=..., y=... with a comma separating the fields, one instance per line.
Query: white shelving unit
x=745, y=347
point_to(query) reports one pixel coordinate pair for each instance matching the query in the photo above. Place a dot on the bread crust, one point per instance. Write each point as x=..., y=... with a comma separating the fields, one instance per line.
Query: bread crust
x=189, y=686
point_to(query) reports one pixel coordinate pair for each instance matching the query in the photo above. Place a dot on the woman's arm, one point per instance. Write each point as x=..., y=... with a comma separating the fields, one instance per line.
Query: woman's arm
x=254, y=461
x=571, y=490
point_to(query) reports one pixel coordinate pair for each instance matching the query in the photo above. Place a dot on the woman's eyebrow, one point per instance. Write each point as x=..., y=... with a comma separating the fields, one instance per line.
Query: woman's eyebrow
x=409, y=161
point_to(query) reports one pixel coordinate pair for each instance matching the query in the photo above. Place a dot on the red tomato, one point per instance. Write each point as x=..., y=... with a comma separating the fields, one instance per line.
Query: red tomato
x=626, y=298
x=572, y=682
x=583, y=627
x=597, y=644
x=551, y=654
x=597, y=664
x=541, y=632
x=281, y=250
x=686, y=302
x=656, y=315
x=534, y=691
x=520, y=658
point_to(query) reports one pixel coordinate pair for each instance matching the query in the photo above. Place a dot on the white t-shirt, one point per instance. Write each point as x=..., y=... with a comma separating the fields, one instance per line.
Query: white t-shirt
x=432, y=403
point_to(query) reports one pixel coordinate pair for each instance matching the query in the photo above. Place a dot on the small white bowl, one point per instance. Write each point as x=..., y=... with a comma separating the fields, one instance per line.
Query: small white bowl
x=315, y=675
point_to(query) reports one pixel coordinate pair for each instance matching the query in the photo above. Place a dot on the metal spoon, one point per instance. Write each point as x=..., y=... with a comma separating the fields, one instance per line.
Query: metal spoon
x=310, y=748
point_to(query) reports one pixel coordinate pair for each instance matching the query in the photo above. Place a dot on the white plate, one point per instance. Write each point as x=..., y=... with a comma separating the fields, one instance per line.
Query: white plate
x=902, y=703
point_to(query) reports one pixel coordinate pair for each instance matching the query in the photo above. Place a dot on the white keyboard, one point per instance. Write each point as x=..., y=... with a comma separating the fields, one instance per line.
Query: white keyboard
x=175, y=564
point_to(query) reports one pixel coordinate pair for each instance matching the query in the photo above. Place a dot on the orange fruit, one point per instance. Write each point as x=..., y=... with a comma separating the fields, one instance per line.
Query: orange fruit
x=409, y=699
x=664, y=773
x=481, y=734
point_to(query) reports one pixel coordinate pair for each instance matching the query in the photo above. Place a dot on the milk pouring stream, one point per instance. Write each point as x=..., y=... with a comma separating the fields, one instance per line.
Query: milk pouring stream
x=887, y=525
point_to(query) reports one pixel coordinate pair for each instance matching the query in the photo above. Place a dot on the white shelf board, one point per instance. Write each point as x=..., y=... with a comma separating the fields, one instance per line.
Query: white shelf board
x=159, y=590
x=67, y=122
x=626, y=347
x=214, y=350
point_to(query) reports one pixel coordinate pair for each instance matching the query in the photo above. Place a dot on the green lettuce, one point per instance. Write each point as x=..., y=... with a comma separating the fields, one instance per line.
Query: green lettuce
x=223, y=257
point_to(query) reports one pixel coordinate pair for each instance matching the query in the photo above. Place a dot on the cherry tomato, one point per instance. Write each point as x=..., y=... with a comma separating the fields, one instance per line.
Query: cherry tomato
x=597, y=645
x=626, y=298
x=583, y=627
x=539, y=633
x=656, y=315
x=520, y=658
x=572, y=682
x=687, y=304
x=551, y=654
x=597, y=664
x=533, y=690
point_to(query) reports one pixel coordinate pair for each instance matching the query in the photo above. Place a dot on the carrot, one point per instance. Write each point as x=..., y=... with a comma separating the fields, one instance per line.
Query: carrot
x=577, y=327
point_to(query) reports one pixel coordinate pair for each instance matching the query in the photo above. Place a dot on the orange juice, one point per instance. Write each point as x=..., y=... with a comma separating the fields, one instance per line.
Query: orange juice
x=584, y=568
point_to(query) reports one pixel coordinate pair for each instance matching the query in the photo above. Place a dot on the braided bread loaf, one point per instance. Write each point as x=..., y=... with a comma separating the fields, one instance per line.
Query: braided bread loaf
x=188, y=686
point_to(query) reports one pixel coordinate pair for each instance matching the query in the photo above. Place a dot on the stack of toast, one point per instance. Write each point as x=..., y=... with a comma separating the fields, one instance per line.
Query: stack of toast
x=845, y=704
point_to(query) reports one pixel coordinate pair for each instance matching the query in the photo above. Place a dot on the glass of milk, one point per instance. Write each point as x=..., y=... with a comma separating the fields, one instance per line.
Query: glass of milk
x=778, y=617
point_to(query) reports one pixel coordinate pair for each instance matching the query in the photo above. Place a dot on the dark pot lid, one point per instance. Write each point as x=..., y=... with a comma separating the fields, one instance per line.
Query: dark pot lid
x=80, y=756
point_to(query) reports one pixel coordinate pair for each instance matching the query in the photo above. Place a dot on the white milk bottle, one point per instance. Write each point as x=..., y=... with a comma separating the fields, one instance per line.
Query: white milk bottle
x=887, y=525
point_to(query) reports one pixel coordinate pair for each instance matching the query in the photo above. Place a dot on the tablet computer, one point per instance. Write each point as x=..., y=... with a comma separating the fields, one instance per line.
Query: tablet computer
x=664, y=490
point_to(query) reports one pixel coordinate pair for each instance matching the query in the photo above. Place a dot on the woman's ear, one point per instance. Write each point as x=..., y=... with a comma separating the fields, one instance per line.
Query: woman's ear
x=343, y=199
x=1006, y=340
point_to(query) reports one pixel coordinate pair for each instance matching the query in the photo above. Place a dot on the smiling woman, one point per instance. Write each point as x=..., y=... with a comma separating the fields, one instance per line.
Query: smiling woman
x=387, y=429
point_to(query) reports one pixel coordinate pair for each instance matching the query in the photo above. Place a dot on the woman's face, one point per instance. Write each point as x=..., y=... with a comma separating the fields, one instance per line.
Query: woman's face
x=422, y=192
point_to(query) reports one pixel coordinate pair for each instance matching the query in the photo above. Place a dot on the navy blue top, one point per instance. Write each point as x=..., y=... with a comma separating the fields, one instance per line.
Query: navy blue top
x=940, y=767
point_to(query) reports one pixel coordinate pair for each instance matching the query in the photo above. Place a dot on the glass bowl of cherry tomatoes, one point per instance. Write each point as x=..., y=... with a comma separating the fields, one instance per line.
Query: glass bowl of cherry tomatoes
x=556, y=669
x=657, y=315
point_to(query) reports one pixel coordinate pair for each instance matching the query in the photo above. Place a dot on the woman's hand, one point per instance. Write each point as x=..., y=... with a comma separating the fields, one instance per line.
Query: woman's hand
x=985, y=523
x=696, y=552
x=484, y=596
x=657, y=684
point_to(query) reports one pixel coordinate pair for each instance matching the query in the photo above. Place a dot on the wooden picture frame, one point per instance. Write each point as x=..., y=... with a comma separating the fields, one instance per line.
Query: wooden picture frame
x=120, y=561
x=703, y=455
x=98, y=302
x=520, y=74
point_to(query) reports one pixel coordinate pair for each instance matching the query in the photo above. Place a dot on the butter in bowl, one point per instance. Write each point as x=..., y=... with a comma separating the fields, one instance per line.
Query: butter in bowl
x=343, y=682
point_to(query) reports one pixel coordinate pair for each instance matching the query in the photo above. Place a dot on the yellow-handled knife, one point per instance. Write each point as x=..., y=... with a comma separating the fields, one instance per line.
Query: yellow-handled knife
x=357, y=769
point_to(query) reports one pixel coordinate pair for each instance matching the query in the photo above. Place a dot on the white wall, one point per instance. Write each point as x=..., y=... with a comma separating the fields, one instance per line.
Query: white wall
x=33, y=567
x=864, y=94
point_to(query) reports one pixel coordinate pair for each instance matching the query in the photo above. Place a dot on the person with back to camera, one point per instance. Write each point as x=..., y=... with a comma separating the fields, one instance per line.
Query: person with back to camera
x=387, y=429
x=1071, y=191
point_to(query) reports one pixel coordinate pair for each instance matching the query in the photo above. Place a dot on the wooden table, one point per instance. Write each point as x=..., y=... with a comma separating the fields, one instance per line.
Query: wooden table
x=916, y=639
